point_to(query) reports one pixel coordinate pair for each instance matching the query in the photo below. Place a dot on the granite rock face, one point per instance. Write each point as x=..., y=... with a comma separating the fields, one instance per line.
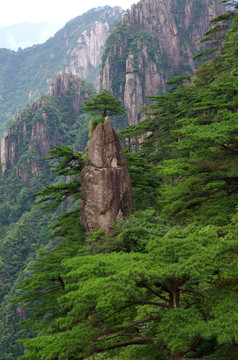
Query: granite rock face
x=134, y=67
x=106, y=185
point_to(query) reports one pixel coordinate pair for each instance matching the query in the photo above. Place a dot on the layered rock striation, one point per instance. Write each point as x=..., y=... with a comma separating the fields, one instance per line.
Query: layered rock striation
x=106, y=185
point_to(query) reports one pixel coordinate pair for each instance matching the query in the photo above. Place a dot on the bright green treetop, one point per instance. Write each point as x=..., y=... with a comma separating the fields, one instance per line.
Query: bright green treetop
x=104, y=104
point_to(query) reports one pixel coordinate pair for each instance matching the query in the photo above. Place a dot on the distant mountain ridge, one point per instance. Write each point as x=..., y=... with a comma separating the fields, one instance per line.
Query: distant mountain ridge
x=26, y=34
x=76, y=48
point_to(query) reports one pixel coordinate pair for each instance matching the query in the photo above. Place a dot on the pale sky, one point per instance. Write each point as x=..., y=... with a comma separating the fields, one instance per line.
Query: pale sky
x=52, y=11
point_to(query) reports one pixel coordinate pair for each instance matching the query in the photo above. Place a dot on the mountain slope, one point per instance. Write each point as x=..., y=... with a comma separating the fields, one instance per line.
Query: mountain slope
x=76, y=49
x=163, y=284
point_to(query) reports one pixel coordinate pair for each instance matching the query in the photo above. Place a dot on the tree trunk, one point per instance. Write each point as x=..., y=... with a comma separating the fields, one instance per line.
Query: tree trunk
x=175, y=356
x=174, y=299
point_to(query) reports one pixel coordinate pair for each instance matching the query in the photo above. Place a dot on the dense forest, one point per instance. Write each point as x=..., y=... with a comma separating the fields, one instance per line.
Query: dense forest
x=163, y=283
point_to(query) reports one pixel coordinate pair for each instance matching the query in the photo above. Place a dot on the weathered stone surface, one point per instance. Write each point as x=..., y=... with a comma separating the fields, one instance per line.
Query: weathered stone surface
x=106, y=185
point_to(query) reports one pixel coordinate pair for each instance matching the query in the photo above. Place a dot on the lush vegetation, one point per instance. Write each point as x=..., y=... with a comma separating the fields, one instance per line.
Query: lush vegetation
x=103, y=105
x=163, y=285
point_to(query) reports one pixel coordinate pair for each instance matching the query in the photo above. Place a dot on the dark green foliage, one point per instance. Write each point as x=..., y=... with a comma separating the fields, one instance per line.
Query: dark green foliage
x=82, y=134
x=159, y=293
x=102, y=106
x=70, y=164
x=206, y=154
x=145, y=182
x=178, y=81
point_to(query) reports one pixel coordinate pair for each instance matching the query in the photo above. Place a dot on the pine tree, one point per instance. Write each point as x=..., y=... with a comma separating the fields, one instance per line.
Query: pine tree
x=103, y=105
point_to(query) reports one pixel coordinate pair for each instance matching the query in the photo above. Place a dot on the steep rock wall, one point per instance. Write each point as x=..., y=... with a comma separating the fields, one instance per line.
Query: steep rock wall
x=84, y=57
x=39, y=140
x=155, y=41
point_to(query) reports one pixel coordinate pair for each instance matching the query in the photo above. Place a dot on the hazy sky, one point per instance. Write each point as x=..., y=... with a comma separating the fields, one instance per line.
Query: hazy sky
x=52, y=11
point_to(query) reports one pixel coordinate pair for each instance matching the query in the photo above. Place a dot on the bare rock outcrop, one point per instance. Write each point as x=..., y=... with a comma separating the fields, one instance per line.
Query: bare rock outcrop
x=106, y=185
x=83, y=58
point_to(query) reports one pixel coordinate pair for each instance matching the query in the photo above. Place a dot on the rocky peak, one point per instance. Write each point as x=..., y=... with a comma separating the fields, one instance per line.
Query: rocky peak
x=155, y=41
x=60, y=84
x=106, y=185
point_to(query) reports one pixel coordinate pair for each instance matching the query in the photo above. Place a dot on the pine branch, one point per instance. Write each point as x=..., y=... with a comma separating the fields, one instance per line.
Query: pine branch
x=106, y=334
x=158, y=294
x=136, y=341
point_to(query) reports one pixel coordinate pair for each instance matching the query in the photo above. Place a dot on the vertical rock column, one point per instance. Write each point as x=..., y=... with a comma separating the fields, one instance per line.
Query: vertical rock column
x=106, y=185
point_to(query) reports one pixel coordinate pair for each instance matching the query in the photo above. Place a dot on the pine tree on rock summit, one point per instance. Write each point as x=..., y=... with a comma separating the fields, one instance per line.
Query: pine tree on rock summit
x=102, y=105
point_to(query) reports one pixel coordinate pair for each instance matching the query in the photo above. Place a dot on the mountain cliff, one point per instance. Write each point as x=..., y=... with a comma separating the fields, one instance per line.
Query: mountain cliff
x=41, y=126
x=76, y=49
x=150, y=276
x=155, y=41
